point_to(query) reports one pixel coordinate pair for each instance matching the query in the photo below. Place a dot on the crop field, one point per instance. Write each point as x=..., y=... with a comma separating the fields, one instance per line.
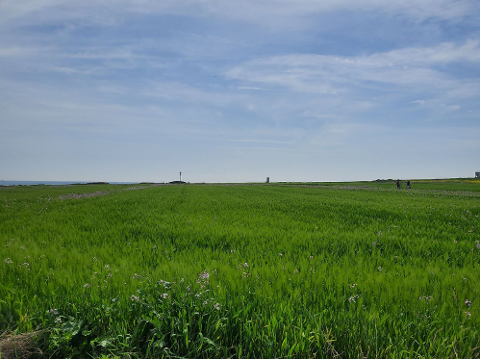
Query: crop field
x=359, y=270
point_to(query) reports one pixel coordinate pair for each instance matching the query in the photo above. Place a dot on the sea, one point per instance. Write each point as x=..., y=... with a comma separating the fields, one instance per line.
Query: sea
x=52, y=183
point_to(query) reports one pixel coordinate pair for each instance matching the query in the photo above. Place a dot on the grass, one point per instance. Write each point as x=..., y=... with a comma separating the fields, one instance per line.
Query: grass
x=259, y=271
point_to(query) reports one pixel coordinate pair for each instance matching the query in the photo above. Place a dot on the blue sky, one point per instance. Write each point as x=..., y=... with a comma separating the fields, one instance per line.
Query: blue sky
x=235, y=91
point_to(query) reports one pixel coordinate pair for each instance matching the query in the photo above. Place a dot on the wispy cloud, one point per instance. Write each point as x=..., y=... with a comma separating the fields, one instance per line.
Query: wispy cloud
x=399, y=73
x=271, y=13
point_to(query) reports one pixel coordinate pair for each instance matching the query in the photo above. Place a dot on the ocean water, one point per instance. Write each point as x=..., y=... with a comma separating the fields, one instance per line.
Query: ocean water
x=51, y=183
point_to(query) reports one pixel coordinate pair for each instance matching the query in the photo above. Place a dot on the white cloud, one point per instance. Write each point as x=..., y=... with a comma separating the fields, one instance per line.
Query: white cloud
x=18, y=52
x=252, y=88
x=418, y=102
x=452, y=107
x=336, y=74
x=271, y=13
x=444, y=53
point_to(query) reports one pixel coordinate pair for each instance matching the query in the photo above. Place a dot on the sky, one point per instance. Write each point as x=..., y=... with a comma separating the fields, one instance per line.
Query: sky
x=238, y=91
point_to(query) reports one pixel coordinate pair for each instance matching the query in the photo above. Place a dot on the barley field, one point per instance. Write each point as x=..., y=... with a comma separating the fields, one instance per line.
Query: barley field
x=349, y=270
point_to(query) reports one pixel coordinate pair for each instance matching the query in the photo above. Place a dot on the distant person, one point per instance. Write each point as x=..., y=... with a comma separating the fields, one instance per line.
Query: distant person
x=398, y=184
x=408, y=185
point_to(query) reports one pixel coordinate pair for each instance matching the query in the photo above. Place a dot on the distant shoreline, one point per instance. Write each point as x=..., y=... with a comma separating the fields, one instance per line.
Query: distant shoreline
x=56, y=183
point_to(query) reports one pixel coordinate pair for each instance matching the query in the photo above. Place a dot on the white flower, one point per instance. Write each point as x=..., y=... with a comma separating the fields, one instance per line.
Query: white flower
x=164, y=283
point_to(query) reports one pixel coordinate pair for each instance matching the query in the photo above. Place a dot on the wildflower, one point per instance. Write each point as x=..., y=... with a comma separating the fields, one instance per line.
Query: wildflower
x=23, y=247
x=134, y=298
x=155, y=248
x=374, y=244
x=379, y=269
x=164, y=295
x=311, y=257
x=86, y=285
x=217, y=306
x=164, y=283
x=53, y=312
x=468, y=303
x=468, y=314
x=95, y=259
x=478, y=245
x=245, y=265
x=280, y=254
x=107, y=267
x=353, y=285
x=354, y=298
x=8, y=261
x=136, y=276
x=204, y=275
x=205, y=303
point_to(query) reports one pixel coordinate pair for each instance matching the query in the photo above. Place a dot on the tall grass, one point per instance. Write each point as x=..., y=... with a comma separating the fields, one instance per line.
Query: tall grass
x=242, y=271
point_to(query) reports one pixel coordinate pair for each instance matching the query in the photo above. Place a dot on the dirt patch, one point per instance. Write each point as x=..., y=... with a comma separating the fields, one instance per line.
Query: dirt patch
x=21, y=346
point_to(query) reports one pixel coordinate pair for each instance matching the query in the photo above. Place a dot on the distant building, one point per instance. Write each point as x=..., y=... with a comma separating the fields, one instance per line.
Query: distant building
x=268, y=179
x=477, y=174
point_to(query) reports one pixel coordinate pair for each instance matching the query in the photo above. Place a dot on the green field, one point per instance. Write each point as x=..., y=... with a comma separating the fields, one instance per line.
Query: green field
x=358, y=270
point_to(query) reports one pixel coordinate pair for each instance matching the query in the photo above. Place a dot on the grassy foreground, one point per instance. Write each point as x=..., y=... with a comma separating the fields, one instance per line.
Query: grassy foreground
x=243, y=271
